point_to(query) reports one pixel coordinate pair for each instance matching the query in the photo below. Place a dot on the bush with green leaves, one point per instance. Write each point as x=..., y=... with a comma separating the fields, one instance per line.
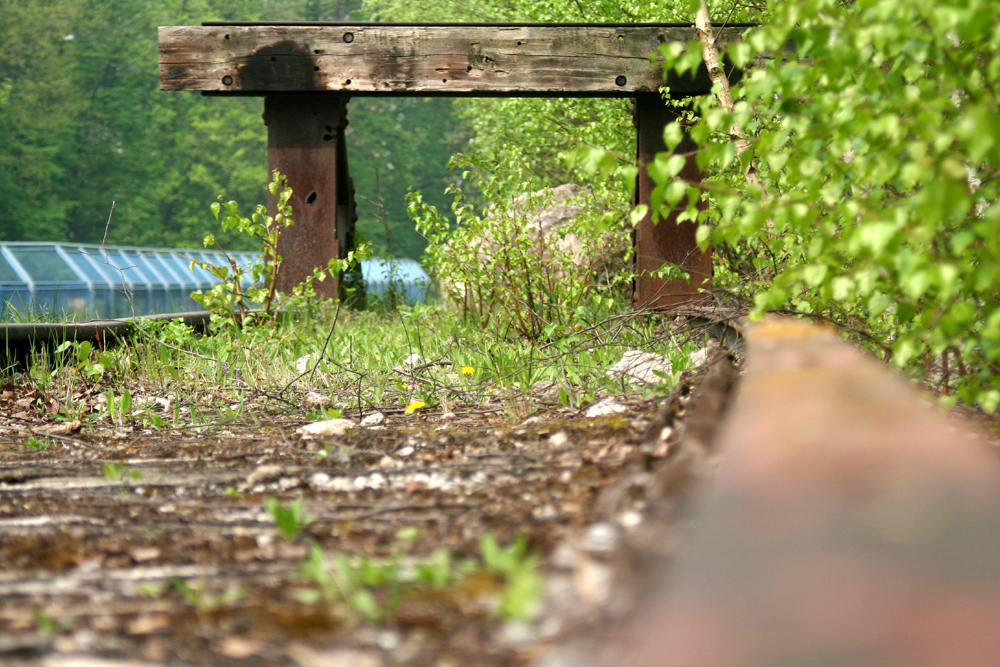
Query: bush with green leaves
x=501, y=267
x=874, y=130
x=229, y=299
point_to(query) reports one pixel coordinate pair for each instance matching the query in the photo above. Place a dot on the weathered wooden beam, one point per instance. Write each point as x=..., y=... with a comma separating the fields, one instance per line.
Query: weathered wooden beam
x=389, y=59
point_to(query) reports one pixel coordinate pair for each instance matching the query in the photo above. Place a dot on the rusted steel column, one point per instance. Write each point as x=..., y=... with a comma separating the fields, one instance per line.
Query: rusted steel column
x=666, y=242
x=304, y=135
x=849, y=524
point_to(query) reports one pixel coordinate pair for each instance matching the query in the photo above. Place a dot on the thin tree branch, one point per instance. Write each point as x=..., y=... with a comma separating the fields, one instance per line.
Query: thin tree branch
x=710, y=53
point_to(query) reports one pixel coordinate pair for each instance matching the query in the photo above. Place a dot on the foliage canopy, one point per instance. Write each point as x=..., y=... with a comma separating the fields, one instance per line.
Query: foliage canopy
x=876, y=139
x=84, y=124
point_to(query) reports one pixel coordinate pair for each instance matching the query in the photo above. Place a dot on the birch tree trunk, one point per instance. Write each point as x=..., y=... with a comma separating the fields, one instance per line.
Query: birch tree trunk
x=710, y=54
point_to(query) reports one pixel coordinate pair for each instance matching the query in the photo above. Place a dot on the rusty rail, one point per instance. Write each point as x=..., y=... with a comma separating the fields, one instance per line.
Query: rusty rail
x=17, y=340
x=849, y=524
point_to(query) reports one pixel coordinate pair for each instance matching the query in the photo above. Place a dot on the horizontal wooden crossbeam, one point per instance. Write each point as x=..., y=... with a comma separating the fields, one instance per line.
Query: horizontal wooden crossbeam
x=577, y=60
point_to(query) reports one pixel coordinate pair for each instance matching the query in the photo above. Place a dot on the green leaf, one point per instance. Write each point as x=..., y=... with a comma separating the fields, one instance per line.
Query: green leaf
x=740, y=53
x=664, y=167
x=674, y=193
x=703, y=236
x=814, y=275
x=916, y=282
x=673, y=134
x=364, y=602
x=638, y=213
x=989, y=400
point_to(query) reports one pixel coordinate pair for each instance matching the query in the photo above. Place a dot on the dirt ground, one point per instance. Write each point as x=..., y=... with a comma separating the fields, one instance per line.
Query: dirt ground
x=155, y=547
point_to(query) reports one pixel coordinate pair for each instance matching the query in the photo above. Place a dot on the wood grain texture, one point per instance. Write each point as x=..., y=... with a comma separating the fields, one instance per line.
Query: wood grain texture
x=599, y=60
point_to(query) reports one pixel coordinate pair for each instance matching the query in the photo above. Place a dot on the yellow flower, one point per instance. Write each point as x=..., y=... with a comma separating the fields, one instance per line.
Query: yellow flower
x=468, y=370
x=414, y=406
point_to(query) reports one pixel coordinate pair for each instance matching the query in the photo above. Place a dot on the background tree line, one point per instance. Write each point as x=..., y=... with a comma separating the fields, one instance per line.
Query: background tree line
x=84, y=124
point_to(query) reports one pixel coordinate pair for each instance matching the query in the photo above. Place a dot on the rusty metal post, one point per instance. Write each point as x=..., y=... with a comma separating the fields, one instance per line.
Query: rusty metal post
x=305, y=143
x=666, y=242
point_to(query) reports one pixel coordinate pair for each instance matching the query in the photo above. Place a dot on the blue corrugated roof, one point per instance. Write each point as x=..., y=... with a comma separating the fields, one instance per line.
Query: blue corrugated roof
x=81, y=281
x=406, y=276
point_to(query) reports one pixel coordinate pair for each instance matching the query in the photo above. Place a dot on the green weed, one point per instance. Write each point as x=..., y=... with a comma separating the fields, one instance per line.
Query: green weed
x=36, y=444
x=204, y=601
x=374, y=590
x=522, y=593
x=290, y=519
x=242, y=288
x=119, y=471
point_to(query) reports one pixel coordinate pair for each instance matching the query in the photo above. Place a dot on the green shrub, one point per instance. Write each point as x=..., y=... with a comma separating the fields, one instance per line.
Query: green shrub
x=876, y=138
x=495, y=263
x=229, y=299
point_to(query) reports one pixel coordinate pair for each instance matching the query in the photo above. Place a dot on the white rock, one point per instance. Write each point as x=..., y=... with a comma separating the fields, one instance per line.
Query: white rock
x=318, y=479
x=62, y=428
x=314, y=399
x=308, y=657
x=518, y=632
x=145, y=554
x=374, y=481
x=302, y=364
x=331, y=428
x=412, y=361
x=374, y=419
x=559, y=439
x=605, y=407
x=545, y=513
x=600, y=538
x=286, y=483
x=699, y=357
x=594, y=581
x=564, y=556
x=629, y=519
x=546, y=391
x=387, y=640
x=166, y=403
x=265, y=473
x=141, y=402
x=638, y=366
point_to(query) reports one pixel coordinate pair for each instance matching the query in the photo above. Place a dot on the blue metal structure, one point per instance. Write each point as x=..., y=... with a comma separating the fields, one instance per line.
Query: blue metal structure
x=75, y=281
x=403, y=276
x=80, y=281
